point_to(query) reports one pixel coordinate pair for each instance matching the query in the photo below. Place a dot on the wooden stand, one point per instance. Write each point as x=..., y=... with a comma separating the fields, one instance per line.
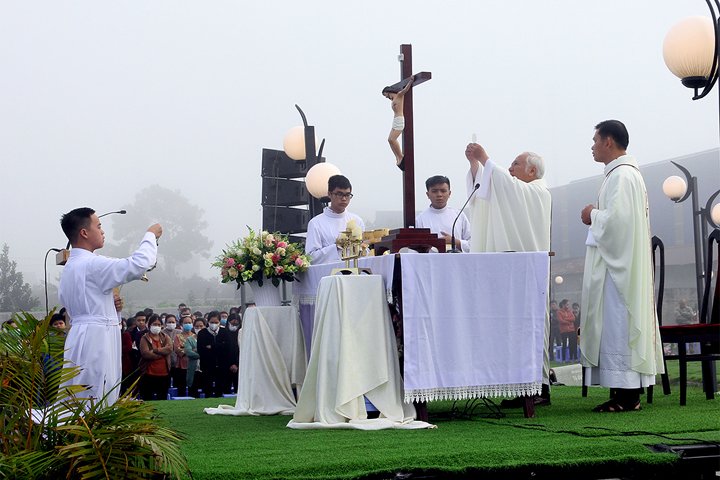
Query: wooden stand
x=419, y=239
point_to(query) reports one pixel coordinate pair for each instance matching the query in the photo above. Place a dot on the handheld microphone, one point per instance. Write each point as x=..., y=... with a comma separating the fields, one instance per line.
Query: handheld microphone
x=454, y=249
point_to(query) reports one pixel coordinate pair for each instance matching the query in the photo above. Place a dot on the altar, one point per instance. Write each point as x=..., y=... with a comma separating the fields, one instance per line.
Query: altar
x=473, y=323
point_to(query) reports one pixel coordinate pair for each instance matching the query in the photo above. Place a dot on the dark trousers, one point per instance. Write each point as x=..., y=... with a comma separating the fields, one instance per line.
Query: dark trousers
x=196, y=385
x=179, y=376
x=569, y=344
x=555, y=339
x=213, y=380
x=231, y=382
x=151, y=385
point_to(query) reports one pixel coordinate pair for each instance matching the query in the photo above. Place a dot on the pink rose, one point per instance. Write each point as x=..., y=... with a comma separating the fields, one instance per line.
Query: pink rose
x=230, y=262
x=279, y=270
x=282, y=245
x=299, y=262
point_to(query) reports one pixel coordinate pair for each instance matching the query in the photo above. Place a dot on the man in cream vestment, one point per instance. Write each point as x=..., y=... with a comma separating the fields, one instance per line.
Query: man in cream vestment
x=325, y=228
x=619, y=334
x=86, y=290
x=511, y=212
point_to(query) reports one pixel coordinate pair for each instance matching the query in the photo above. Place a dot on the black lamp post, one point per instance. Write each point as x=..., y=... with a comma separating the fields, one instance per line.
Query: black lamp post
x=690, y=51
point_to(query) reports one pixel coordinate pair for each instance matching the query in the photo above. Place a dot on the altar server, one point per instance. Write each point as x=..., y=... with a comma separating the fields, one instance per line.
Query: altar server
x=439, y=218
x=325, y=228
x=86, y=290
x=620, y=338
x=511, y=212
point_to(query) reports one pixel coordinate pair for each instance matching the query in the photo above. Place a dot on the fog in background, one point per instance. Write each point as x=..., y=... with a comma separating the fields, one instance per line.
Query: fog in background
x=100, y=100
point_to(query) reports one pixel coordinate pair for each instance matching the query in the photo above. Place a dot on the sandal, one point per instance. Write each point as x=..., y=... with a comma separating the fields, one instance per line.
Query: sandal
x=613, y=406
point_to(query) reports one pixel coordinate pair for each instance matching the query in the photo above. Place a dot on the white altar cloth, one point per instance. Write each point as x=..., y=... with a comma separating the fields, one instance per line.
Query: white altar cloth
x=307, y=286
x=272, y=362
x=473, y=324
x=353, y=355
x=305, y=289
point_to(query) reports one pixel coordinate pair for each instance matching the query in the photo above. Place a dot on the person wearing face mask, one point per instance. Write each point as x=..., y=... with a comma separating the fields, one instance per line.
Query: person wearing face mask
x=223, y=319
x=194, y=373
x=155, y=350
x=231, y=374
x=179, y=373
x=213, y=343
x=169, y=329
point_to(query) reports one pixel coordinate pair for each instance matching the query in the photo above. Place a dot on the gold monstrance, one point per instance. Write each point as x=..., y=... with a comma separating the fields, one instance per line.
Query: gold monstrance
x=351, y=241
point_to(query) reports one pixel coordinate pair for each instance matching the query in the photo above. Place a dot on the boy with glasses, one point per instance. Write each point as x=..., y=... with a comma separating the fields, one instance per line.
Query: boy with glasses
x=325, y=228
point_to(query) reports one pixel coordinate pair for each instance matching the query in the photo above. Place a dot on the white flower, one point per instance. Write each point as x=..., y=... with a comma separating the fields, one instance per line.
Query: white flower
x=255, y=268
x=256, y=251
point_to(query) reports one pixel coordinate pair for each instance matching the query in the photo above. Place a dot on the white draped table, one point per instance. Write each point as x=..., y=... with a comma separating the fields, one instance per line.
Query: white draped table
x=305, y=289
x=473, y=324
x=272, y=362
x=353, y=356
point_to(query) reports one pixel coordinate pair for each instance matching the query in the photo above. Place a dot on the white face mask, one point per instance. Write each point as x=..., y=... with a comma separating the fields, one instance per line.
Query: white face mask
x=155, y=329
x=214, y=326
x=171, y=326
x=233, y=328
x=197, y=330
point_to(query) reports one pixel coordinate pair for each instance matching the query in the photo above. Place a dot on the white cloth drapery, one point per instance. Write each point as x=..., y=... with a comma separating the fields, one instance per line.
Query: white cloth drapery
x=474, y=324
x=272, y=362
x=353, y=356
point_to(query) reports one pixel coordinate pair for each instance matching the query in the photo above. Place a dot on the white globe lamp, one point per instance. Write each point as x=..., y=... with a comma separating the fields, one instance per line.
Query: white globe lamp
x=716, y=214
x=294, y=143
x=688, y=50
x=316, y=179
x=674, y=187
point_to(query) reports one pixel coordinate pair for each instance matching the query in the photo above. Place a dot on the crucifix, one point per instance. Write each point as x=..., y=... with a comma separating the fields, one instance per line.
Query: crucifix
x=408, y=148
x=419, y=239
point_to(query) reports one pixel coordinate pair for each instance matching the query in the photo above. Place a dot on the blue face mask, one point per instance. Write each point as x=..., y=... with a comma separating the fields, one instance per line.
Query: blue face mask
x=223, y=321
x=187, y=326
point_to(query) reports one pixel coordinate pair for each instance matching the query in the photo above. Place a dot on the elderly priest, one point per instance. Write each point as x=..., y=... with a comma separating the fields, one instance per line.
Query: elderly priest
x=620, y=338
x=510, y=211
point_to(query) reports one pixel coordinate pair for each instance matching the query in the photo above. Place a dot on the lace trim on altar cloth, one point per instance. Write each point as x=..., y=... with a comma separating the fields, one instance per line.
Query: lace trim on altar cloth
x=310, y=299
x=462, y=393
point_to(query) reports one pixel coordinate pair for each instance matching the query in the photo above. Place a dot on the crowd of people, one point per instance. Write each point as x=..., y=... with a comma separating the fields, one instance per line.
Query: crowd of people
x=196, y=355
x=564, y=330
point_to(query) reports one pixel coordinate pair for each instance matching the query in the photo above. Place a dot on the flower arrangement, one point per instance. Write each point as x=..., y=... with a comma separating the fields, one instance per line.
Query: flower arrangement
x=257, y=257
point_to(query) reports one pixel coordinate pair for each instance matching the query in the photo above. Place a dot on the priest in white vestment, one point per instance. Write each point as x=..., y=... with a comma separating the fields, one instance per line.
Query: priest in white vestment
x=86, y=291
x=325, y=228
x=619, y=334
x=510, y=210
x=439, y=217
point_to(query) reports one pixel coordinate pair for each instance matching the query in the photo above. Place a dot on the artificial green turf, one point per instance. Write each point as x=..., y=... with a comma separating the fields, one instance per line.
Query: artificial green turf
x=565, y=434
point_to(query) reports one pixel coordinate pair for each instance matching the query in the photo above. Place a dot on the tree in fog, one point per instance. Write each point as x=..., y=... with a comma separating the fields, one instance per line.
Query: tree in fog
x=15, y=294
x=182, y=226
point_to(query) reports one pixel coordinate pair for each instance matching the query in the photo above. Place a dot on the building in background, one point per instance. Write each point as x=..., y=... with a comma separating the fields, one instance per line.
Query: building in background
x=671, y=222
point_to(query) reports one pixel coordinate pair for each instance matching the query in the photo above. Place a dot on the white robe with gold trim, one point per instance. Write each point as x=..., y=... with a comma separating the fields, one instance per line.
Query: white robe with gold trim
x=619, y=251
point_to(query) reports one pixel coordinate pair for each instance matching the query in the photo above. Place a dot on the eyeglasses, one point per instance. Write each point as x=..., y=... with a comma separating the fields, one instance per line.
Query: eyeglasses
x=342, y=196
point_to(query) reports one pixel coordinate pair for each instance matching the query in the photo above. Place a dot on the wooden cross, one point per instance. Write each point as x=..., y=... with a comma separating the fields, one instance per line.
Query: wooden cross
x=408, y=145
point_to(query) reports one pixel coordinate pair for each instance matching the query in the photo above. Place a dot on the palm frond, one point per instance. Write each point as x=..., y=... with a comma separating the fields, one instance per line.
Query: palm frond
x=49, y=430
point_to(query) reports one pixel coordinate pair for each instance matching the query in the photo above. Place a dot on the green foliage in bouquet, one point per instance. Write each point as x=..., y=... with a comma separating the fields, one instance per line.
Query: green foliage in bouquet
x=47, y=432
x=260, y=256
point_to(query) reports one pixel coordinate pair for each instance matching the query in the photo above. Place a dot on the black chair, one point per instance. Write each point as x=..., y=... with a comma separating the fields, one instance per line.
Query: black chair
x=706, y=333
